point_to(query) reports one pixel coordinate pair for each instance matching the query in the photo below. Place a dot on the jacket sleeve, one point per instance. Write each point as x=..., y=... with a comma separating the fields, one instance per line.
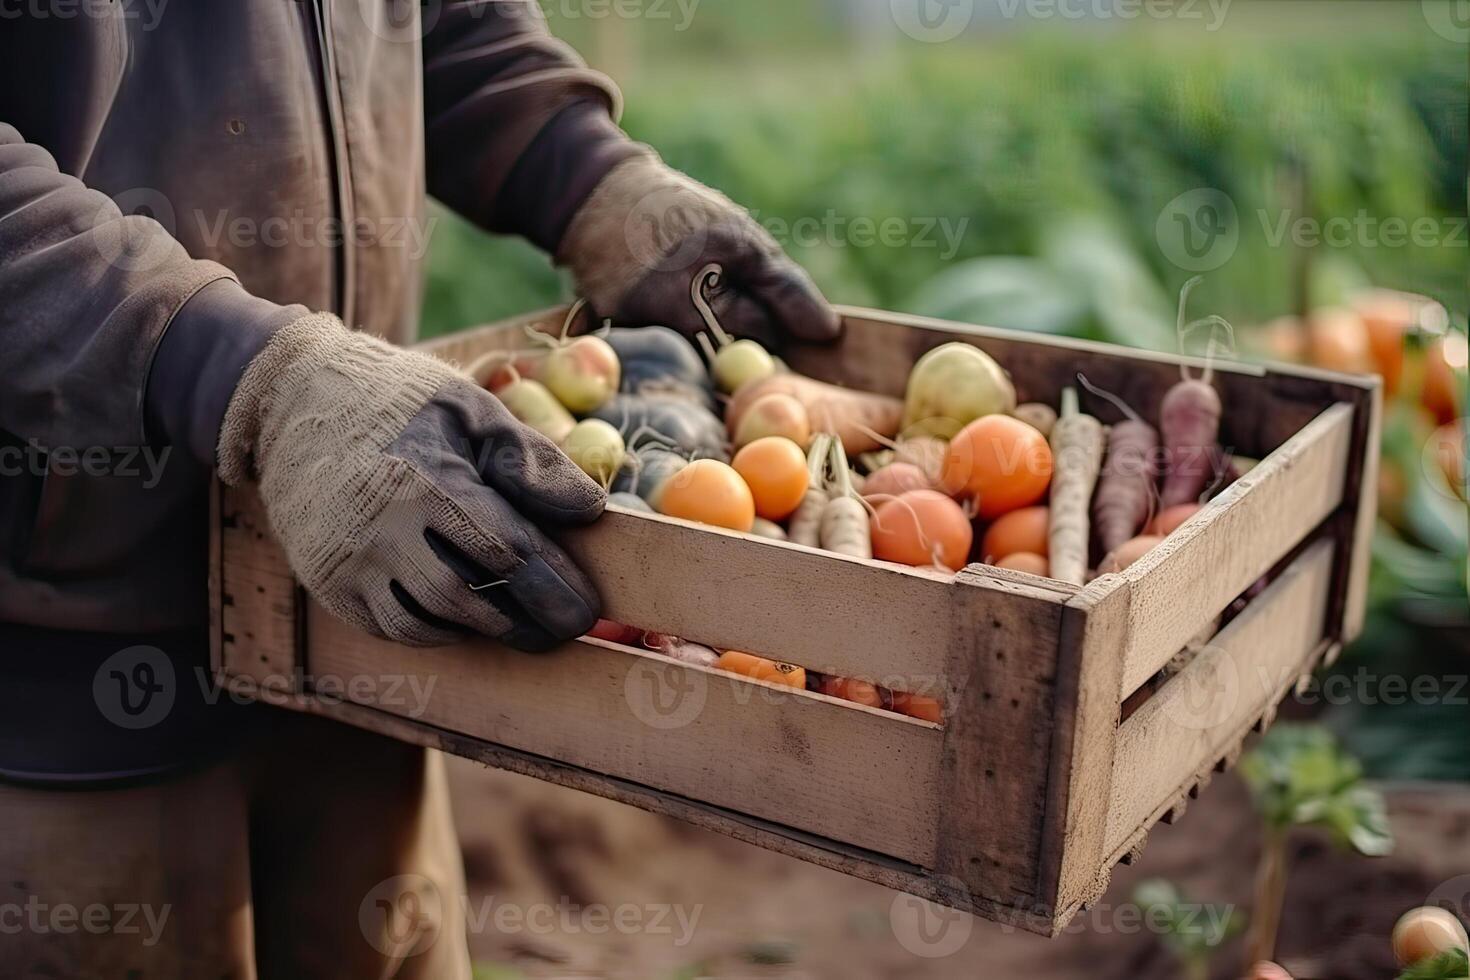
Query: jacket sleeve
x=86, y=295
x=518, y=129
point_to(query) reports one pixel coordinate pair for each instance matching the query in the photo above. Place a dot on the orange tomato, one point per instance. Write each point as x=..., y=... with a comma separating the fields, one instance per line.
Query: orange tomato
x=1026, y=561
x=998, y=461
x=1020, y=530
x=1441, y=393
x=710, y=492
x=761, y=669
x=918, y=706
x=850, y=689
x=775, y=469
x=1166, y=520
x=922, y=527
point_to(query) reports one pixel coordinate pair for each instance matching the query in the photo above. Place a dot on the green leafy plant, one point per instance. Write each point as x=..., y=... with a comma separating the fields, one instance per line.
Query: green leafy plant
x=1451, y=965
x=1300, y=776
x=1192, y=932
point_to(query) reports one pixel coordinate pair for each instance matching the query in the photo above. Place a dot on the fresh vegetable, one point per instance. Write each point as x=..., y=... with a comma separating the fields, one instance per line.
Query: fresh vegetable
x=675, y=422
x=849, y=689
x=1441, y=392
x=1127, y=553
x=740, y=362
x=918, y=706
x=953, y=385
x=1026, y=561
x=646, y=470
x=582, y=373
x=773, y=415
x=921, y=528
x=1190, y=425
x=1076, y=448
x=844, y=528
x=1424, y=933
x=1338, y=340
x=498, y=368
x=631, y=501
x=1125, y=490
x=682, y=650
x=805, y=526
x=925, y=452
x=1024, y=529
x=1170, y=518
x=606, y=629
x=710, y=492
x=597, y=449
x=775, y=470
x=763, y=528
x=761, y=669
x=656, y=360
x=854, y=416
x=1038, y=415
x=998, y=462
x=894, y=479
x=530, y=402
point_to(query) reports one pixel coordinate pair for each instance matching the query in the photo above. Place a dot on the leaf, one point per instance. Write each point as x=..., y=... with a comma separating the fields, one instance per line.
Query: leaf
x=1449, y=965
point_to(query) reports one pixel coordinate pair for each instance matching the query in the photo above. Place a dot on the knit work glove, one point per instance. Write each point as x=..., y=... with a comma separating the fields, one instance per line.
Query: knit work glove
x=406, y=497
x=638, y=242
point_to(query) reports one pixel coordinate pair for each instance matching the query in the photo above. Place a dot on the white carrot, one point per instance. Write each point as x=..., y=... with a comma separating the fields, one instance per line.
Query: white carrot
x=806, y=522
x=845, y=519
x=1076, y=448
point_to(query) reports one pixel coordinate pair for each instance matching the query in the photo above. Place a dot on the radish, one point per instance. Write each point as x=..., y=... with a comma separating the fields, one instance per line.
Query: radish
x=530, y=402
x=773, y=415
x=739, y=363
x=582, y=373
x=953, y=385
x=597, y=449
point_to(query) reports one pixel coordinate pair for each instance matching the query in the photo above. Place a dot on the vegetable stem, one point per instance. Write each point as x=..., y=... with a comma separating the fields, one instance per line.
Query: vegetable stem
x=1270, y=895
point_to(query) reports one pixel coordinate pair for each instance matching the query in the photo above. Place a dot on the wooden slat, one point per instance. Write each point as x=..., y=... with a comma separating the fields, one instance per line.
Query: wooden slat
x=258, y=622
x=867, y=777
x=1212, y=704
x=1209, y=561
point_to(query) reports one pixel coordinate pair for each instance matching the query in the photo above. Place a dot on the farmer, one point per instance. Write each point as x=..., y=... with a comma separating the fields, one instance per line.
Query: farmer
x=211, y=216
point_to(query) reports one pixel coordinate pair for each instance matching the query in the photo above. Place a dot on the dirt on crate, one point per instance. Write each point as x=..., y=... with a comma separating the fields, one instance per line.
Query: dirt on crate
x=567, y=885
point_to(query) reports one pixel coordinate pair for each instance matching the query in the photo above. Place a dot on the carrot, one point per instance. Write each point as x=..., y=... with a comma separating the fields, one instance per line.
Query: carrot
x=1076, y=449
x=918, y=706
x=851, y=415
x=806, y=522
x=1190, y=423
x=844, y=520
x=761, y=669
x=922, y=528
x=849, y=689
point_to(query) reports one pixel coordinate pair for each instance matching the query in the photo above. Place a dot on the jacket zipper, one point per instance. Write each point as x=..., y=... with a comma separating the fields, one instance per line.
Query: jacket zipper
x=338, y=161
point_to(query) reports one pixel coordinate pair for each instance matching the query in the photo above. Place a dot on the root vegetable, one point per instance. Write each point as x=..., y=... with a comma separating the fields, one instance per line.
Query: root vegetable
x=531, y=403
x=894, y=479
x=1022, y=530
x=850, y=689
x=683, y=651
x=925, y=452
x=631, y=501
x=739, y=363
x=1039, y=415
x=666, y=419
x=582, y=373
x=1425, y=933
x=918, y=706
x=767, y=529
x=1026, y=561
x=657, y=360
x=775, y=470
x=998, y=462
x=806, y=523
x=1190, y=425
x=761, y=669
x=844, y=527
x=953, y=385
x=498, y=368
x=1076, y=448
x=1125, y=491
x=597, y=449
x=922, y=528
x=773, y=415
x=1170, y=518
x=645, y=471
x=1128, y=552
x=709, y=492
x=606, y=629
x=854, y=416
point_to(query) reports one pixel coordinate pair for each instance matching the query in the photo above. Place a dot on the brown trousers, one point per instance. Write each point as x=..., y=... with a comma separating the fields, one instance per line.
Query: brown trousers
x=323, y=851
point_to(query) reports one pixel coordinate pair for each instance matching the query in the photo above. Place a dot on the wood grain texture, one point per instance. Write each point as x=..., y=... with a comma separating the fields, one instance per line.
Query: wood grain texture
x=1210, y=560
x=258, y=632
x=1212, y=704
x=867, y=777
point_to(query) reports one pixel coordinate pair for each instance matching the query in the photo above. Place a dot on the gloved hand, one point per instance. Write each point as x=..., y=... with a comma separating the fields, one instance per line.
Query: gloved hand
x=403, y=493
x=637, y=243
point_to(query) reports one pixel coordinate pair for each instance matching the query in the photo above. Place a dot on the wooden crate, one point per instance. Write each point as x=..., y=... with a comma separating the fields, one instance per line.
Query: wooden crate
x=1060, y=747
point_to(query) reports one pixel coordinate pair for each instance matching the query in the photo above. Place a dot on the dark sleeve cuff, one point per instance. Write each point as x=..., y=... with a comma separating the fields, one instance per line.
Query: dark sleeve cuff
x=199, y=361
x=559, y=170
